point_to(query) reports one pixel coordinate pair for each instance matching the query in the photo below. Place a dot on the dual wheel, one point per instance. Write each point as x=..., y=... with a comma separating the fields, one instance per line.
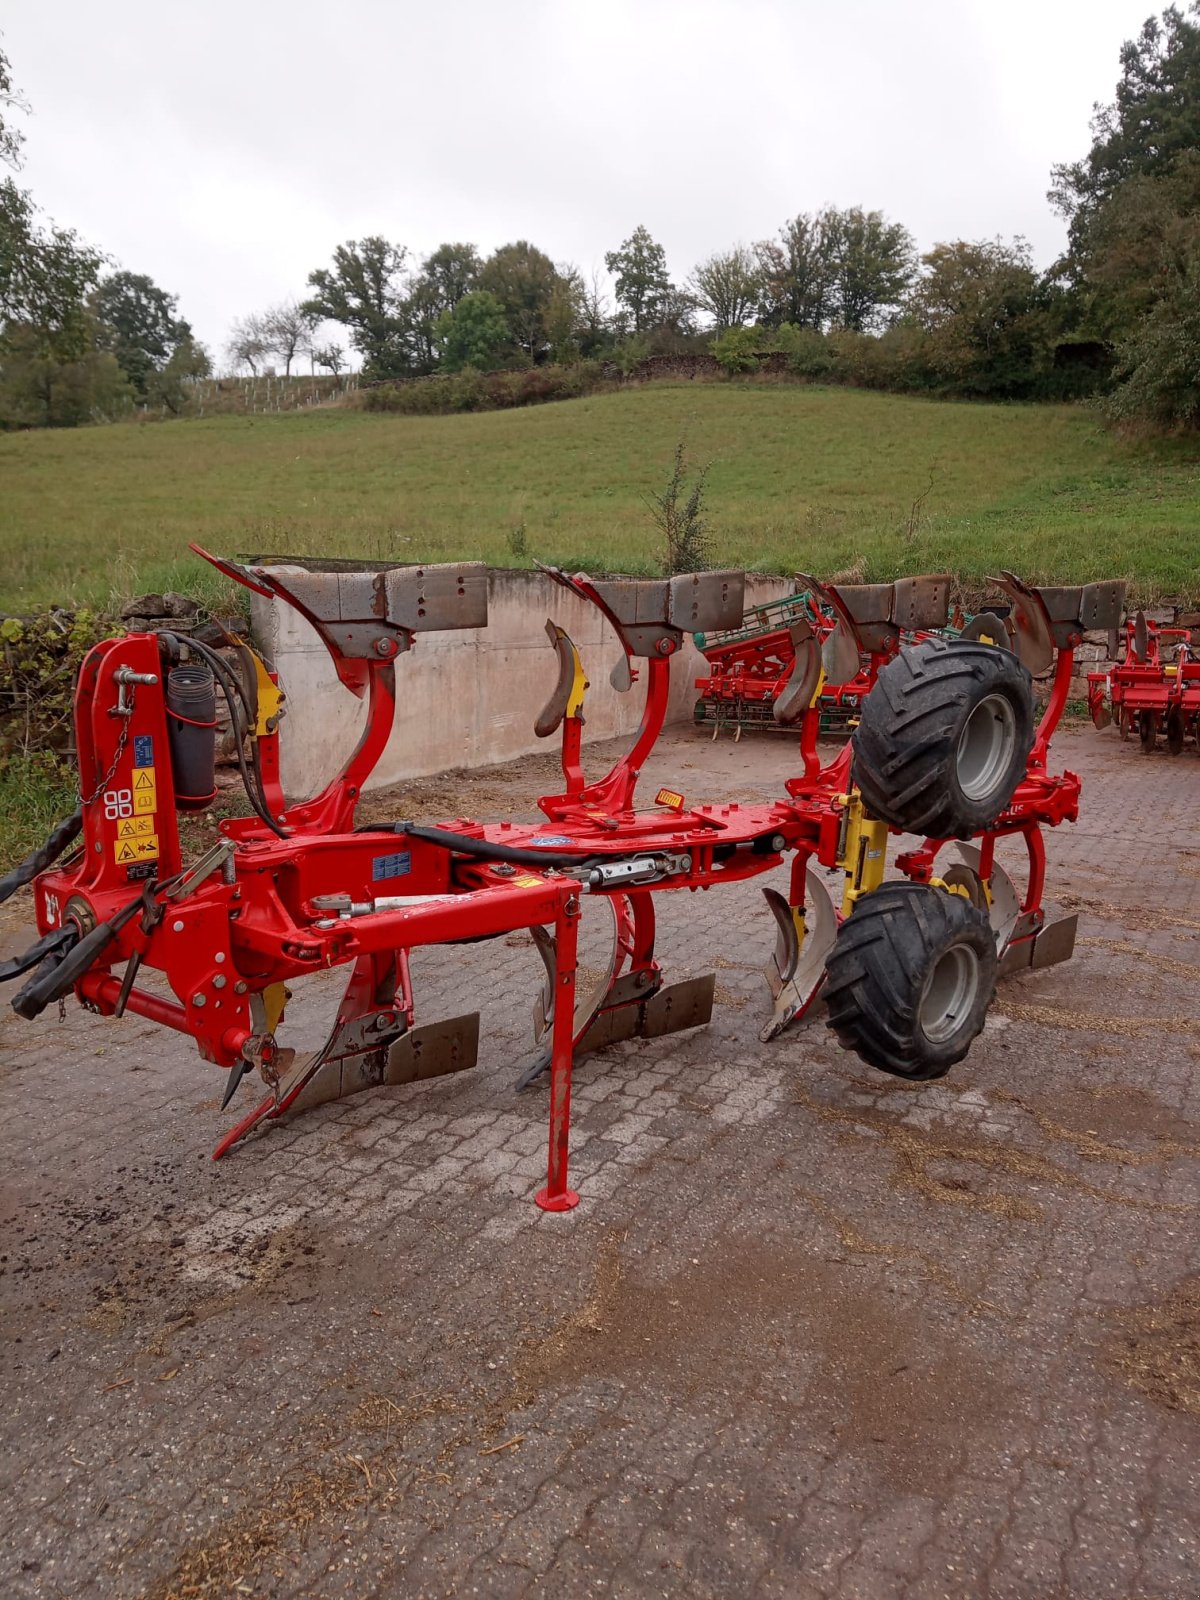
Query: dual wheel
x=942, y=744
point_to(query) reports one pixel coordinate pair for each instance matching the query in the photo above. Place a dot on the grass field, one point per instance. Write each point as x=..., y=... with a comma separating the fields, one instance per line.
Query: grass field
x=809, y=478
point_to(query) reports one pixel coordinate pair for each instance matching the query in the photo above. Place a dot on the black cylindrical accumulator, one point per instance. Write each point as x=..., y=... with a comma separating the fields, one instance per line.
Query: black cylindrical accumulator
x=192, y=728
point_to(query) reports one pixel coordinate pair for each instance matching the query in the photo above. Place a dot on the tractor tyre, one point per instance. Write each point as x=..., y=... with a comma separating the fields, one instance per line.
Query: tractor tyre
x=944, y=737
x=1147, y=731
x=910, y=978
x=1175, y=731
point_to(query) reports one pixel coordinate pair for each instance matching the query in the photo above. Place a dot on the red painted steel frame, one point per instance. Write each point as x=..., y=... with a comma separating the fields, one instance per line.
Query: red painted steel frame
x=256, y=920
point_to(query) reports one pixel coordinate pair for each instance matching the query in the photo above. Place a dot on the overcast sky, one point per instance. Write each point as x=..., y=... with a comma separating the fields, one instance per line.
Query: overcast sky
x=225, y=149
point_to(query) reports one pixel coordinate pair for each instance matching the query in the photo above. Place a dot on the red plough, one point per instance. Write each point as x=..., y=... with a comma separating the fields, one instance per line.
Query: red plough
x=1147, y=690
x=295, y=889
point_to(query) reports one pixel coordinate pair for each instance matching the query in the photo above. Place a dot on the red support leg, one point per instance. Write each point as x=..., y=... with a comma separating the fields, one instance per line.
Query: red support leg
x=556, y=1196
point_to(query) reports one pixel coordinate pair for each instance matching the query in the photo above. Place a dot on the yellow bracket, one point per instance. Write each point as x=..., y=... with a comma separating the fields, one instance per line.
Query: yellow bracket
x=956, y=888
x=268, y=697
x=274, y=998
x=863, y=858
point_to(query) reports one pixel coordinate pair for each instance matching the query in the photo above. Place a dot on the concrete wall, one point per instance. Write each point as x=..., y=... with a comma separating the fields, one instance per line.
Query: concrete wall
x=467, y=698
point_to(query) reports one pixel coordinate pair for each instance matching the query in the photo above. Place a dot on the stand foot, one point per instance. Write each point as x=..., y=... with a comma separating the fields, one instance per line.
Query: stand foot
x=567, y=1200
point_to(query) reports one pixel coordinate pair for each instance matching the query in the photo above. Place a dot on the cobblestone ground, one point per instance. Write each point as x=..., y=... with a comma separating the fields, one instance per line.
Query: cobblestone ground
x=812, y=1332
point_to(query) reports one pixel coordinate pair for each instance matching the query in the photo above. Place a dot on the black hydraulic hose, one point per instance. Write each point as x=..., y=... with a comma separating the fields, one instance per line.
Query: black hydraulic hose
x=239, y=713
x=55, y=976
x=61, y=835
x=485, y=849
x=55, y=943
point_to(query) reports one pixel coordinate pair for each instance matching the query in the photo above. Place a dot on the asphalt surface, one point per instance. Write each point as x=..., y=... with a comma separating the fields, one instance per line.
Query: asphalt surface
x=812, y=1332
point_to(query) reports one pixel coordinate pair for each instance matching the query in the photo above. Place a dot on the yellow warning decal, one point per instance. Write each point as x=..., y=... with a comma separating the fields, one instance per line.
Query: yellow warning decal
x=670, y=798
x=528, y=881
x=143, y=849
x=135, y=827
x=145, y=793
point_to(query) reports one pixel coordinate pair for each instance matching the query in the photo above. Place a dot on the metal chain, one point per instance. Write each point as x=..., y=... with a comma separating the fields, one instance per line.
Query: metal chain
x=122, y=741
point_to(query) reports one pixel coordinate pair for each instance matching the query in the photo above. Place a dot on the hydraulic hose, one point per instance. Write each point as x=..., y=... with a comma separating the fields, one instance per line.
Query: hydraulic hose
x=55, y=943
x=484, y=849
x=58, y=973
x=61, y=835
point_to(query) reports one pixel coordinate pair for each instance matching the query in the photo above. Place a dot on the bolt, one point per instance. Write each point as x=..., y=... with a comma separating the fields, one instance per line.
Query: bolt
x=219, y=957
x=239, y=987
x=198, y=1000
x=219, y=981
x=177, y=927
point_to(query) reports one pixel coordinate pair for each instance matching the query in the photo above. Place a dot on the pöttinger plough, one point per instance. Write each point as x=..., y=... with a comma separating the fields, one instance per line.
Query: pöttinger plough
x=946, y=749
x=1148, y=691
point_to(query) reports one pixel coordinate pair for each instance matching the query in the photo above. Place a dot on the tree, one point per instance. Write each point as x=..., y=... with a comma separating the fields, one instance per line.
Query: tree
x=1159, y=361
x=288, y=329
x=726, y=286
x=365, y=292
x=331, y=358
x=472, y=334
x=44, y=387
x=248, y=343
x=981, y=307
x=46, y=276
x=168, y=387
x=642, y=282
x=11, y=139
x=796, y=274
x=136, y=320
x=872, y=263
x=1153, y=119
x=522, y=278
x=449, y=273
x=51, y=373
x=594, y=328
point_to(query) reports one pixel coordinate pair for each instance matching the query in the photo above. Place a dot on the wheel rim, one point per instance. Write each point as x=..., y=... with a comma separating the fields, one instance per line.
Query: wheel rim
x=985, y=746
x=949, y=993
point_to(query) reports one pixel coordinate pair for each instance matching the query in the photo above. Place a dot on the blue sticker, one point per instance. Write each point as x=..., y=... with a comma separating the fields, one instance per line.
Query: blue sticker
x=551, y=838
x=396, y=866
x=143, y=750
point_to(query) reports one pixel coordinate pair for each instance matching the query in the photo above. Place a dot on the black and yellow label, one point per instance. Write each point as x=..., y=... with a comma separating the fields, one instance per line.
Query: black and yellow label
x=143, y=849
x=669, y=798
x=135, y=827
x=145, y=791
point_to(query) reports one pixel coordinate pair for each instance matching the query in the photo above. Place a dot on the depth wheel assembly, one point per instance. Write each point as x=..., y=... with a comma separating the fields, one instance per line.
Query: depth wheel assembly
x=1147, y=731
x=910, y=978
x=944, y=737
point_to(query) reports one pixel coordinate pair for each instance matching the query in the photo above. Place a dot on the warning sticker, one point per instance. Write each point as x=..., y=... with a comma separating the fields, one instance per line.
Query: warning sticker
x=135, y=827
x=143, y=849
x=145, y=800
x=528, y=881
x=669, y=797
x=143, y=778
x=143, y=750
